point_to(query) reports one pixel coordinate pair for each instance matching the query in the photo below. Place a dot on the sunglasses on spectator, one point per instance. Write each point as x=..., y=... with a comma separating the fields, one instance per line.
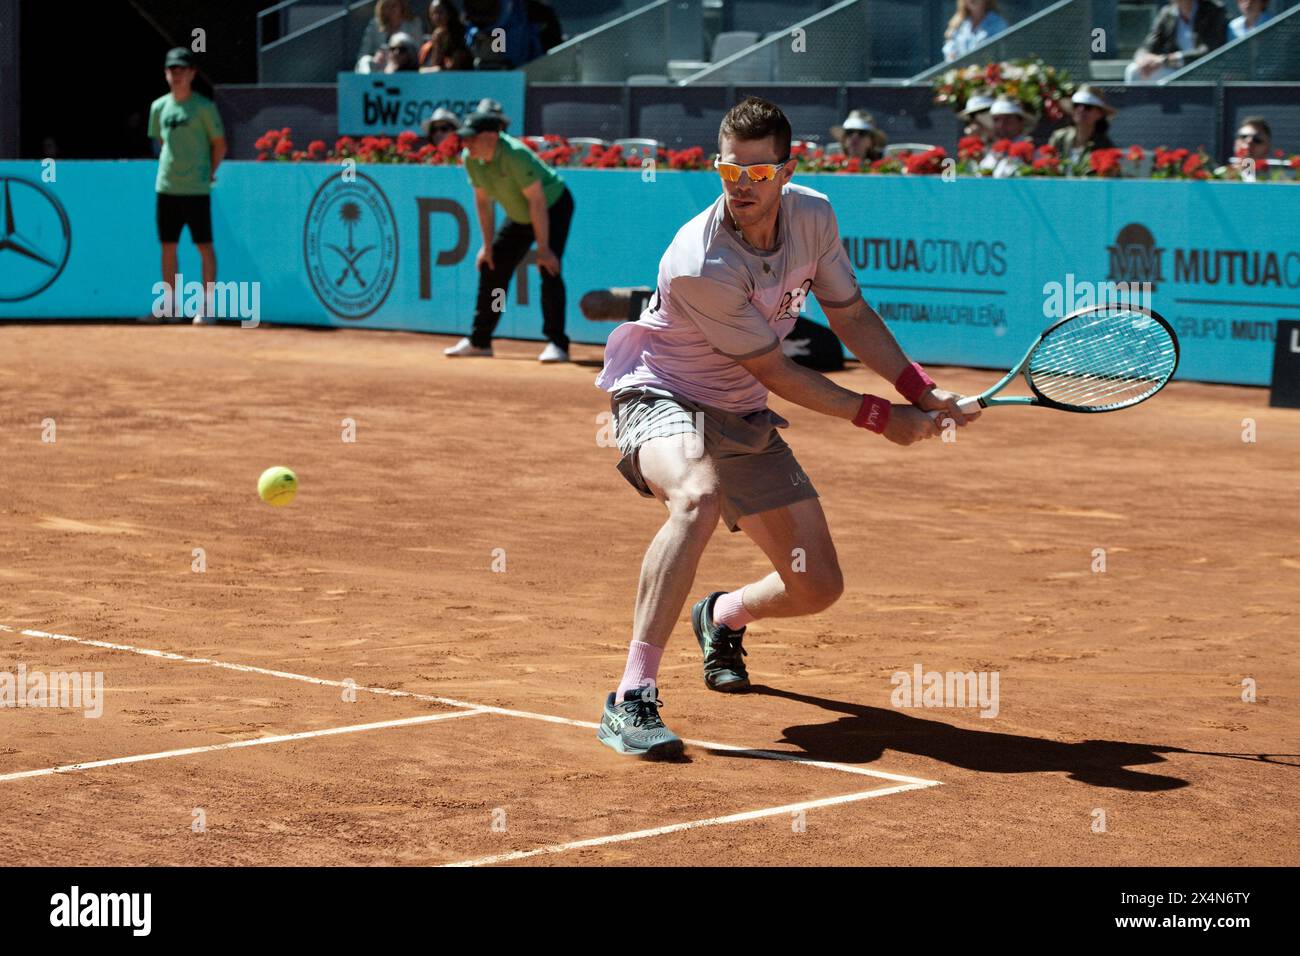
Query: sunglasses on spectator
x=758, y=172
x=1252, y=137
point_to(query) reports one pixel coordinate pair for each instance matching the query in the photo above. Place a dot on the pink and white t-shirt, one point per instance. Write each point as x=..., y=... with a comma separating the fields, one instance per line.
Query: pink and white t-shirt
x=719, y=299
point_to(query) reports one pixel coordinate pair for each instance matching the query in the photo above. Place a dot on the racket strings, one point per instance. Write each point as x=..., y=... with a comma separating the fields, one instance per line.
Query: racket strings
x=1107, y=360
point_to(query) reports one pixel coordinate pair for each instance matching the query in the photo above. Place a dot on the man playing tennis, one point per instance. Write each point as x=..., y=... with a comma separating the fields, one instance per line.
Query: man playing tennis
x=689, y=383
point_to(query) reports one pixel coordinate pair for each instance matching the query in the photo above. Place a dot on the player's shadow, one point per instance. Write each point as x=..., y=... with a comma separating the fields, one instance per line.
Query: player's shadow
x=864, y=733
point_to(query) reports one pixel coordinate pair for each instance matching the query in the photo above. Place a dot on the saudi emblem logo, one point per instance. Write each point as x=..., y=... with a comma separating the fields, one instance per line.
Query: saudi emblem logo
x=350, y=246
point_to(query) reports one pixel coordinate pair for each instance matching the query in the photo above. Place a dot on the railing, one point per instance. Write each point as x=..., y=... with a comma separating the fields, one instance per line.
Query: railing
x=833, y=45
x=314, y=53
x=1061, y=35
x=1269, y=53
x=637, y=42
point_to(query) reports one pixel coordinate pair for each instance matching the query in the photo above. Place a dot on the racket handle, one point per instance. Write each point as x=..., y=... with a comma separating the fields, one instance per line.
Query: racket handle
x=968, y=405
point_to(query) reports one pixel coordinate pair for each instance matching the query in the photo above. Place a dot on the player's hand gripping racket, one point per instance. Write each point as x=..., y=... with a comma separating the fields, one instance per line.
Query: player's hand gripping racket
x=1095, y=360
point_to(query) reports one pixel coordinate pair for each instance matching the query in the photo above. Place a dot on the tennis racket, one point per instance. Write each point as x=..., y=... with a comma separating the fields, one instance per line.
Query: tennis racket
x=1099, y=359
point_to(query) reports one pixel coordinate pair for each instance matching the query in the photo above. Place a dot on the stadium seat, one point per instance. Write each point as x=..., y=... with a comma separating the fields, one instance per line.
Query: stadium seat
x=726, y=44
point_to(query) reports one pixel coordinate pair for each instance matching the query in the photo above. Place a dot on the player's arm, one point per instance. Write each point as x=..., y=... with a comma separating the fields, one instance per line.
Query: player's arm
x=862, y=329
x=803, y=386
x=483, y=206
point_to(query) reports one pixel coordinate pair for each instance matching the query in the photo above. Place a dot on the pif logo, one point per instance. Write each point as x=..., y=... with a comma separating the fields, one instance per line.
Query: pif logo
x=350, y=246
x=1135, y=257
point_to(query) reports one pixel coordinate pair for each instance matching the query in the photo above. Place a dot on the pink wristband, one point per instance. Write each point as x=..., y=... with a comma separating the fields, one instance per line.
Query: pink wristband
x=874, y=414
x=913, y=383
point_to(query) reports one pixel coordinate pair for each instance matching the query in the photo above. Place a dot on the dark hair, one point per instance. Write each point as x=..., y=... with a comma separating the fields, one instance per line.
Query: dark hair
x=1259, y=123
x=755, y=118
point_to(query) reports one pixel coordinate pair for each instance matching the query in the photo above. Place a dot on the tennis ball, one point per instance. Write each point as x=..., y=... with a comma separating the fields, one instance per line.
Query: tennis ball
x=277, y=486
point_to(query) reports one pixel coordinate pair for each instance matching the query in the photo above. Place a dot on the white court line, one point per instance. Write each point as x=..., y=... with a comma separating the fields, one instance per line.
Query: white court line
x=452, y=702
x=693, y=825
x=253, y=742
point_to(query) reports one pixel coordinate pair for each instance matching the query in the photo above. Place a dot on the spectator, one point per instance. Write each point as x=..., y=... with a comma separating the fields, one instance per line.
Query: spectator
x=976, y=115
x=193, y=145
x=446, y=49
x=974, y=22
x=440, y=125
x=1254, y=140
x=1254, y=14
x=500, y=35
x=1010, y=120
x=487, y=105
x=1092, y=116
x=1182, y=32
x=403, y=54
x=538, y=207
x=860, y=137
x=542, y=16
x=391, y=16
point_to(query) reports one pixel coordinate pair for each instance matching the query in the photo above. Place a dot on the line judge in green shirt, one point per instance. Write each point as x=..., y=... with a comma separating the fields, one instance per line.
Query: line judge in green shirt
x=538, y=207
x=193, y=145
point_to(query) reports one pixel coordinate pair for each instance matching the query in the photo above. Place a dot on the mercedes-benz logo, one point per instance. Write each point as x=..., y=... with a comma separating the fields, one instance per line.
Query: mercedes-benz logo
x=35, y=238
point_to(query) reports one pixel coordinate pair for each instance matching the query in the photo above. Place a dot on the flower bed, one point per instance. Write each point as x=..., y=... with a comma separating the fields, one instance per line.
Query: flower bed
x=411, y=148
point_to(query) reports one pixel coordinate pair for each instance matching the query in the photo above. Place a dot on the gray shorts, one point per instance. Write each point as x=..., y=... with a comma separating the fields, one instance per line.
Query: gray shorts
x=757, y=471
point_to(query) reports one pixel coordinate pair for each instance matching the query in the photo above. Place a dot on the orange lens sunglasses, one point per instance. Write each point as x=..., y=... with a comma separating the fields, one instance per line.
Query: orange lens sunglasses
x=758, y=172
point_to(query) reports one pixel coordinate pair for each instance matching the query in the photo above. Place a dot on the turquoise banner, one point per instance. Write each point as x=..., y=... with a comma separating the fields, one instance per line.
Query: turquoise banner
x=385, y=104
x=966, y=272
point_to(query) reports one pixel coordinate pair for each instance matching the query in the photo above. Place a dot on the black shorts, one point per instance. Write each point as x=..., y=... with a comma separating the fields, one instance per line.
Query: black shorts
x=176, y=212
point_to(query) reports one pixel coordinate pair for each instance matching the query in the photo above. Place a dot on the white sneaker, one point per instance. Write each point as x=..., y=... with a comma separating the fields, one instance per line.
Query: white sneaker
x=553, y=353
x=466, y=348
x=204, y=320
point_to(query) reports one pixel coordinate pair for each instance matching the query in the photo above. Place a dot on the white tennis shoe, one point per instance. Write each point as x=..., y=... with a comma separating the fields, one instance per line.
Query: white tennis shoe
x=553, y=353
x=466, y=348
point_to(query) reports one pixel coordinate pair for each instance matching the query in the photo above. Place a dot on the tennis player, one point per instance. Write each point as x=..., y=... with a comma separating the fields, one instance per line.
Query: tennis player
x=688, y=384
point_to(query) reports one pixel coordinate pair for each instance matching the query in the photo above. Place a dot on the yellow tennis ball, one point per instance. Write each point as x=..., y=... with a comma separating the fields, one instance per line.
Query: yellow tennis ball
x=277, y=486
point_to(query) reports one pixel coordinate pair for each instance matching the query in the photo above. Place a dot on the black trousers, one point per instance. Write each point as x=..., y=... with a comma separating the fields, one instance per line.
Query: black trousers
x=509, y=247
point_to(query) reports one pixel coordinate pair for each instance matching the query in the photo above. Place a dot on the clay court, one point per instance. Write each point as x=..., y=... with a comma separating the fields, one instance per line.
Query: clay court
x=470, y=736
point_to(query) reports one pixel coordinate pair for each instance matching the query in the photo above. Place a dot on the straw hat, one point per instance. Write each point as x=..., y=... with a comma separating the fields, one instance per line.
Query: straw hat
x=1009, y=106
x=1091, y=96
x=976, y=104
x=861, y=119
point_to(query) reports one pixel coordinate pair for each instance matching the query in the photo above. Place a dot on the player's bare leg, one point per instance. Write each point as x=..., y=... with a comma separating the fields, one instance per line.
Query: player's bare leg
x=798, y=542
x=688, y=487
x=806, y=579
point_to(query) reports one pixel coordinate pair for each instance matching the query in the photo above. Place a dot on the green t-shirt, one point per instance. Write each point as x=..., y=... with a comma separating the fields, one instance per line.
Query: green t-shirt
x=511, y=168
x=187, y=130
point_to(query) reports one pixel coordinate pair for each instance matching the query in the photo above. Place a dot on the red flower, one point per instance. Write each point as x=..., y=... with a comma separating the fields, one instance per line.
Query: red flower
x=1193, y=164
x=1023, y=151
x=993, y=73
x=1135, y=153
x=1001, y=146
x=1105, y=162
x=970, y=147
x=1295, y=162
x=284, y=147
x=1047, y=162
x=316, y=149
x=854, y=165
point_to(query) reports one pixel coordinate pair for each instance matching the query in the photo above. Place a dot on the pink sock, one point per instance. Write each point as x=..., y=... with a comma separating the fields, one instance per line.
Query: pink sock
x=730, y=611
x=642, y=667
